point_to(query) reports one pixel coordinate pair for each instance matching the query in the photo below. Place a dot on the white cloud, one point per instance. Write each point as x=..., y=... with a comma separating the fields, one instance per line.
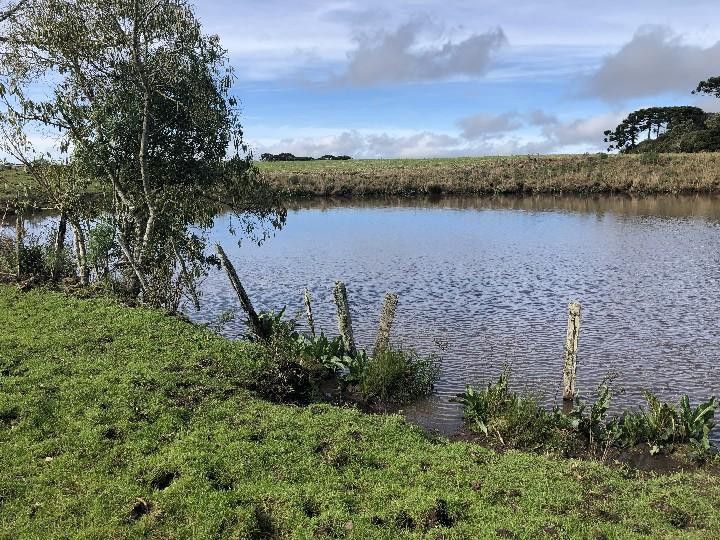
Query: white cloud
x=527, y=133
x=482, y=126
x=655, y=61
x=582, y=131
x=401, y=56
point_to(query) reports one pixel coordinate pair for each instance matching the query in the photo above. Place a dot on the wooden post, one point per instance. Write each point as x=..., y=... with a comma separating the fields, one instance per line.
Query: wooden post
x=19, y=239
x=309, y=313
x=255, y=324
x=343, y=317
x=571, y=350
x=387, y=316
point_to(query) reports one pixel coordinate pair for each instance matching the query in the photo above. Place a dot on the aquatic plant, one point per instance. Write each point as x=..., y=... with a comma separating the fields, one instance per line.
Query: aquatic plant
x=517, y=421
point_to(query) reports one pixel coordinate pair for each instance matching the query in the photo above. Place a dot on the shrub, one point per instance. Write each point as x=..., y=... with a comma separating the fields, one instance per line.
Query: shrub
x=398, y=376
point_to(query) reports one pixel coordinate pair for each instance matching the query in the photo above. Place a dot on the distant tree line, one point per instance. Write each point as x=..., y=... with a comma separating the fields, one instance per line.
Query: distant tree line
x=285, y=156
x=669, y=129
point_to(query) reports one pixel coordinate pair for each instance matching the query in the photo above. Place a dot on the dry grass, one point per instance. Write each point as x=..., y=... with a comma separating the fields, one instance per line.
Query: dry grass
x=569, y=174
x=582, y=174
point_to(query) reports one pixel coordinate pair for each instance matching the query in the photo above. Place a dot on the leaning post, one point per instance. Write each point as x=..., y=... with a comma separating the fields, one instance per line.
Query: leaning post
x=255, y=324
x=343, y=317
x=571, y=351
x=387, y=317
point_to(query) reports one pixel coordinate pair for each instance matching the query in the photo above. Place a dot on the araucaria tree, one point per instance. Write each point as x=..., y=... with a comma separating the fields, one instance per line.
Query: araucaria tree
x=141, y=101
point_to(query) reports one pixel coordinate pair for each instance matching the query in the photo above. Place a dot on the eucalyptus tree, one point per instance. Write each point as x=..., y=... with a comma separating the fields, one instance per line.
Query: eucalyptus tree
x=141, y=99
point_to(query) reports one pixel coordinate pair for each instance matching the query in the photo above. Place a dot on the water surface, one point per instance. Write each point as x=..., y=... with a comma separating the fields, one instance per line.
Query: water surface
x=492, y=278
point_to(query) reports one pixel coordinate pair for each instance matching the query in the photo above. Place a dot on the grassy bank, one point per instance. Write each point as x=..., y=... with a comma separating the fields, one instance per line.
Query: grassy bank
x=570, y=174
x=119, y=423
x=581, y=174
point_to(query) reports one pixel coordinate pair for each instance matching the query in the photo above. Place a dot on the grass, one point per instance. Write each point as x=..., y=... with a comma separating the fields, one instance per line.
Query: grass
x=580, y=174
x=126, y=423
x=15, y=183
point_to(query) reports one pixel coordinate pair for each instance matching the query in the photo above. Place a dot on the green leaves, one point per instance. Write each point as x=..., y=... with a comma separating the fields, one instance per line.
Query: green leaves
x=518, y=421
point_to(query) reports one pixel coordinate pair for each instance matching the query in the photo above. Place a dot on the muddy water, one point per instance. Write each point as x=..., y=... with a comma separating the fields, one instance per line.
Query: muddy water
x=490, y=280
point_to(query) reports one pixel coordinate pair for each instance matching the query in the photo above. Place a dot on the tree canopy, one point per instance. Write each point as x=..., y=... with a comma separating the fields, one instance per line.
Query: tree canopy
x=141, y=103
x=669, y=129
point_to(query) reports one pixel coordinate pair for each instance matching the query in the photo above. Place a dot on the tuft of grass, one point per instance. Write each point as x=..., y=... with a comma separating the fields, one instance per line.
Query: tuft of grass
x=399, y=376
x=126, y=423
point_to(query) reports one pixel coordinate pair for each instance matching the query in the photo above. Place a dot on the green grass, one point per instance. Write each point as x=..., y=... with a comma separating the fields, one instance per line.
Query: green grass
x=579, y=174
x=127, y=423
x=16, y=184
x=576, y=174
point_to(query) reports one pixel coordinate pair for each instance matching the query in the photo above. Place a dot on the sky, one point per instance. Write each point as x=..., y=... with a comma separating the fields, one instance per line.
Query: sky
x=432, y=78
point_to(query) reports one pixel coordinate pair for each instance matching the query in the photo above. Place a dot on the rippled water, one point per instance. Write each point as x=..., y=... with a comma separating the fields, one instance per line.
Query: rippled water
x=493, y=278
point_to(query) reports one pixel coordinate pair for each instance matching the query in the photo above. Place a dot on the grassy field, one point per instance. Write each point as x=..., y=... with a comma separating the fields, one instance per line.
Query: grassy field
x=580, y=174
x=14, y=184
x=127, y=423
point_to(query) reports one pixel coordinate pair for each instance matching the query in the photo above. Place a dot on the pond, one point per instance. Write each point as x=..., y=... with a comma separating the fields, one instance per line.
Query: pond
x=485, y=282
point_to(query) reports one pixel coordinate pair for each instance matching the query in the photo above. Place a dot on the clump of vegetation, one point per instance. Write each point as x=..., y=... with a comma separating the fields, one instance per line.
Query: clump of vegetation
x=513, y=420
x=398, y=376
x=298, y=364
x=669, y=129
x=662, y=425
x=517, y=421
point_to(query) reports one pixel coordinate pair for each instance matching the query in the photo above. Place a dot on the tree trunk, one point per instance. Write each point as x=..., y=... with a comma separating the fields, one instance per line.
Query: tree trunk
x=83, y=270
x=59, y=247
x=309, y=313
x=387, y=317
x=343, y=318
x=19, y=239
x=571, y=351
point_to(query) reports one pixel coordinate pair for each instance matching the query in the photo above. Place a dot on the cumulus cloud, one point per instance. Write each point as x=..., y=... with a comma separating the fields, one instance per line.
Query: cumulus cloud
x=369, y=144
x=399, y=56
x=581, y=131
x=481, y=126
x=656, y=60
x=505, y=134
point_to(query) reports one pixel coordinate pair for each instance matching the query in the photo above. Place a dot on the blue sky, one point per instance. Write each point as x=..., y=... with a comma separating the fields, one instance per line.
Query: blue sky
x=430, y=78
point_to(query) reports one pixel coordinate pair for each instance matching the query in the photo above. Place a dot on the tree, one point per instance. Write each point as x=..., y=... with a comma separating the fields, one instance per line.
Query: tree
x=650, y=128
x=710, y=87
x=141, y=99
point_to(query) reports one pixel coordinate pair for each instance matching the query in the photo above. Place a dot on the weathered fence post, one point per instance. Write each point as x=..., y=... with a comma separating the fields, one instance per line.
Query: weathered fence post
x=387, y=316
x=343, y=317
x=571, y=350
x=255, y=324
x=309, y=313
x=19, y=240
